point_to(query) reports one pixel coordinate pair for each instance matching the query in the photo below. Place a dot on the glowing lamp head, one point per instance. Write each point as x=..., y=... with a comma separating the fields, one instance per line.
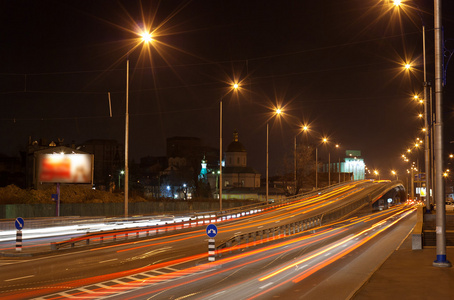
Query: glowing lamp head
x=278, y=111
x=236, y=86
x=146, y=37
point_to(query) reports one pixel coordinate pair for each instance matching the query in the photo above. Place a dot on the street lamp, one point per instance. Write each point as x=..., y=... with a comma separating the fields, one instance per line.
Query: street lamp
x=395, y=174
x=122, y=172
x=304, y=128
x=277, y=112
x=235, y=86
x=427, y=117
x=324, y=141
x=146, y=38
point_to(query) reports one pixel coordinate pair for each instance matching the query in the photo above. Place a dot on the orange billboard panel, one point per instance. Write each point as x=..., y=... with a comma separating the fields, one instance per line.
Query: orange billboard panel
x=66, y=168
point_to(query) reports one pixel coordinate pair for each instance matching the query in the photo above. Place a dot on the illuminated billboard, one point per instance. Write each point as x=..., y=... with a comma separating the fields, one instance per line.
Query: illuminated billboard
x=65, y=168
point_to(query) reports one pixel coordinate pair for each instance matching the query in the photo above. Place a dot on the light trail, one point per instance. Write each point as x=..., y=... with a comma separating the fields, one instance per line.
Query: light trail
x=294, y=244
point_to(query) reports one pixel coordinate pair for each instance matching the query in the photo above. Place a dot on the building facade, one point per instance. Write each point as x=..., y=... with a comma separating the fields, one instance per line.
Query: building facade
x=236, y=172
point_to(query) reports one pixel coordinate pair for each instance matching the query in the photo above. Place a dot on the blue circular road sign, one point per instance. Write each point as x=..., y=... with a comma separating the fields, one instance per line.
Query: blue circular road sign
x=19, y=223
x=212, y=230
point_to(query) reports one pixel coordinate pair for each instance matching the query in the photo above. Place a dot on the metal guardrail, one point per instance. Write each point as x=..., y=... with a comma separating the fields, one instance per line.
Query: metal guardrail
x=117, y=235
x=198, y=219
x=299, y=226
x=125, y=234
x=269, y=234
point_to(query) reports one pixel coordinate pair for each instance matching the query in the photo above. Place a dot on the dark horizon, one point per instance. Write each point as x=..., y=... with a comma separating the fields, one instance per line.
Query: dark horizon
x=336, y=66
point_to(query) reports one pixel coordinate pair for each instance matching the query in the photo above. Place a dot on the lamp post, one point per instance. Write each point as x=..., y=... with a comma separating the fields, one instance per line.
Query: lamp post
x=235, y=86
x=329, y=165
x=441, y=260
x=427, y=117
x=122, y=172
x=304, y=128
x=324, y=141
x=277, y=112
x=146, y=38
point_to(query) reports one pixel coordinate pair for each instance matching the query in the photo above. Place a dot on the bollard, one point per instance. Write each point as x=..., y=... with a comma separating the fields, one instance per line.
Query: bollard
x=19, y=240
x=211, y=250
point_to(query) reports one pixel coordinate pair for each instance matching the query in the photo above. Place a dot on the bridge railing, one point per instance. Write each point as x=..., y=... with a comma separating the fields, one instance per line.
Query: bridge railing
x=261, y=236
x=198, y=219
x=248, y=239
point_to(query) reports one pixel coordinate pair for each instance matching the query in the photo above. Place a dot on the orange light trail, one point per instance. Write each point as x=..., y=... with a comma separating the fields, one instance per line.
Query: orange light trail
x=339, y=244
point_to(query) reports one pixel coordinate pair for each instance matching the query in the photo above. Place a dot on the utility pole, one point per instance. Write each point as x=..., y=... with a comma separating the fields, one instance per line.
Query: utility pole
x=440, y=229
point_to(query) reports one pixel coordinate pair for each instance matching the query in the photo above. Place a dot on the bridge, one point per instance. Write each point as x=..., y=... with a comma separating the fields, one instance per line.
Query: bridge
x=293, y=239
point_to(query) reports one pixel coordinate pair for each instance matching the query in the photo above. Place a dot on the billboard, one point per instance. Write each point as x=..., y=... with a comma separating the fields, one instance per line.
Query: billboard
x=65, y=168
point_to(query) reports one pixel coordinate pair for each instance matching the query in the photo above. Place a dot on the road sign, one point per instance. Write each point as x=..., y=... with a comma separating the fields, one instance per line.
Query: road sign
x=19, y=223
x=212, y=230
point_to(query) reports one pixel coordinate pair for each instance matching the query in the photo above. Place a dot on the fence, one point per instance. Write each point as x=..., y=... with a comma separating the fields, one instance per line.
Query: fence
x=12, y=211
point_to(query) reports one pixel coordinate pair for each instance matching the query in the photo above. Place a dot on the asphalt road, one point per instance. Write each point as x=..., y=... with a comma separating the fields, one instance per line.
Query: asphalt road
x=161, y=255
x=330, y=263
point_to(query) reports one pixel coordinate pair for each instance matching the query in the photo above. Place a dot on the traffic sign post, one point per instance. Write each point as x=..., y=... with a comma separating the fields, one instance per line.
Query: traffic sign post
x=211, y=231
x=19, y=223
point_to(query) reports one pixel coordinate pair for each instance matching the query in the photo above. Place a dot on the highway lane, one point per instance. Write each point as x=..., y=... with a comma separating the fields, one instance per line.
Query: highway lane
x=327, y=264
x=183, y=248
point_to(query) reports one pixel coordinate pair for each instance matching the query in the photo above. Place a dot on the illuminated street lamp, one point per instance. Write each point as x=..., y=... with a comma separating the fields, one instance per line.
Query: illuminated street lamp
x=324, y=141
x=235, y=86
x=377, y=174
x=304, y=128
x=427, y=105
x=395, y=174
x=277, y=113
x=146, y=38
x=329, y=165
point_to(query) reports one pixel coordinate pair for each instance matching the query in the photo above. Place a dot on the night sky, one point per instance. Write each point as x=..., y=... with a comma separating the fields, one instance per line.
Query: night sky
x=335, y=65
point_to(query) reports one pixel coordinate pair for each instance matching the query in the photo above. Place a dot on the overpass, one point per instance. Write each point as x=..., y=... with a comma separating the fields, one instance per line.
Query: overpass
x=100, y=265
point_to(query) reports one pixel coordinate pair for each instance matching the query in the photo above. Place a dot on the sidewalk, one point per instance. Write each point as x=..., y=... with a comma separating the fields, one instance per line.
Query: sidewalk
x=409, y=274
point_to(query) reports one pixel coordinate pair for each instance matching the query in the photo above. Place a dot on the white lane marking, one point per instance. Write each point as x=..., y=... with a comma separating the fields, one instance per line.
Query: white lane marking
x=86, y=290
x=18, y=278
x=264, y=286
x=103, y=261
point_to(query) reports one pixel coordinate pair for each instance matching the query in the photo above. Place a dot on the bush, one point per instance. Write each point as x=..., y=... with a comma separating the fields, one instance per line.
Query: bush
x=11, y=194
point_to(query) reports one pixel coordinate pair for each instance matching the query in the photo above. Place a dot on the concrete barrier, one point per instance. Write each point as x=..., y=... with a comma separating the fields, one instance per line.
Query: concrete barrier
x=417, y=233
